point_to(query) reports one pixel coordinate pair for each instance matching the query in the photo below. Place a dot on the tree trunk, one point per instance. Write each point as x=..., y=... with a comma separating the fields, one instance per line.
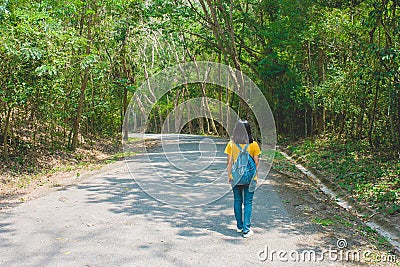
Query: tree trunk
x=189, y=118
x=371, y=126
x=320, y=120
x=84, y=83
x=5, y=133
x=392, y=123
x=305, y=122
x=310, y=84
x=210, y=118
x=79, y=110
x=125, y=115
x=398, y=112
x=396, y=103
x=226, y=43
x=221, y=119
x=360, y=122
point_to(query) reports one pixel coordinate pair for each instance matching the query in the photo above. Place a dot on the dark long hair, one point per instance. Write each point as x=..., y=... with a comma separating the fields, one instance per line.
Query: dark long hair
x=242, y=133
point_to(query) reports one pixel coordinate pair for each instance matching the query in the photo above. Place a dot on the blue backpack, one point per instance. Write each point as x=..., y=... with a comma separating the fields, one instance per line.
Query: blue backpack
x=244, y=169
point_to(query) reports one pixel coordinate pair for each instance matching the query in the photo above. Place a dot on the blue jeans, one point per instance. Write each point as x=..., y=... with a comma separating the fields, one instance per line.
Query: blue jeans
x=242, y=195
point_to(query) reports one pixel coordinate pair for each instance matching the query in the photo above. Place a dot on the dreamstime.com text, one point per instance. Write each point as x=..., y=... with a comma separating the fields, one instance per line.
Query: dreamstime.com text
x=339, y=253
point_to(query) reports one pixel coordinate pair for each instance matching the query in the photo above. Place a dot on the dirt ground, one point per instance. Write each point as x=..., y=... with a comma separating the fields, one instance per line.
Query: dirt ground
x=59, y=171
x=310, y=207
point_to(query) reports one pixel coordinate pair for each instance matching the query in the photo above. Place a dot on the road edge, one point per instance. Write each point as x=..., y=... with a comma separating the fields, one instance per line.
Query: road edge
x=390, y=236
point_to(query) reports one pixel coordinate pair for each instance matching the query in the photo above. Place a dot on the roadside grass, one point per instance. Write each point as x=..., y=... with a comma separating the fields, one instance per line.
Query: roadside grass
x=366, y=176
x=281, y=164
x=336, y=220
x=132, y=140
x=380, y=241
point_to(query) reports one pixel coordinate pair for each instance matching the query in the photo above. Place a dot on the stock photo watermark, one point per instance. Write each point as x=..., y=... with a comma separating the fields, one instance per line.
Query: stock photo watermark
x=338, y=253
x=187, y=166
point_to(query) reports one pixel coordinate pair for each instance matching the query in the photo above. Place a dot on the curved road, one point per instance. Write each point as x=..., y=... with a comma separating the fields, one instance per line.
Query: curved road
x=107, y=220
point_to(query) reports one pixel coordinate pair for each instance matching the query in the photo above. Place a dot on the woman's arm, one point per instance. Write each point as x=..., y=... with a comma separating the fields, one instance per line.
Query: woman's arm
x=229, y=163
x=256, y=160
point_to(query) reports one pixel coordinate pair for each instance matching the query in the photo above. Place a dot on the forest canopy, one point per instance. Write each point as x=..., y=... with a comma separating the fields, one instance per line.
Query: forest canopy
x=68, y=69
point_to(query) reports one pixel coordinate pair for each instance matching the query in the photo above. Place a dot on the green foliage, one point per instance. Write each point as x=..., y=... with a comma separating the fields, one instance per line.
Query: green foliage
x=324, y=66
x=367, y=175
x=42, y=60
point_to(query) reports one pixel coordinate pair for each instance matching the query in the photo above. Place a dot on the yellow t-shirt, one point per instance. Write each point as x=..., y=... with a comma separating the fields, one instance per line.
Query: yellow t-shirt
x=232, y=150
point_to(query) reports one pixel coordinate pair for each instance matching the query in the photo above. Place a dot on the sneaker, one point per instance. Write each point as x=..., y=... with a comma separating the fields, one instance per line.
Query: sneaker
x=239, y=230
x=248, y=234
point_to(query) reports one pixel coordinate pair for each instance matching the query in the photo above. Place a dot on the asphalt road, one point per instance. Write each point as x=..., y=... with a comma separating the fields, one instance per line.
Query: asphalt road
x=163, y=215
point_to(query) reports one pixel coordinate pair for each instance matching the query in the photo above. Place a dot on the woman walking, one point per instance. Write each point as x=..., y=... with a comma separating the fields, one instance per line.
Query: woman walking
x=242, y=193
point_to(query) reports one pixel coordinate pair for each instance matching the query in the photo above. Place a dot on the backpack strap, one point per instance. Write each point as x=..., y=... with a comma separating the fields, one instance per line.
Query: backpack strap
x=242, y=149
x=245, y=147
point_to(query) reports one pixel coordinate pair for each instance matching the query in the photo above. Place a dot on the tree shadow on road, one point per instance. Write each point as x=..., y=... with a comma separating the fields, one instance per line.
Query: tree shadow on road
x=127, y=197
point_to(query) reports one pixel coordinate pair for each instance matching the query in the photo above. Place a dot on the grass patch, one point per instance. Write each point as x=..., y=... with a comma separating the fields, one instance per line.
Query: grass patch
x=367, y=176
x=282, y=164
x=132, y=140
x=323, y=222
x=335, y=220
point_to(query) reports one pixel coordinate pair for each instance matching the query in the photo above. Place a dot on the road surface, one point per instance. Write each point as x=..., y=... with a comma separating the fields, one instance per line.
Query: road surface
x=109, y=220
